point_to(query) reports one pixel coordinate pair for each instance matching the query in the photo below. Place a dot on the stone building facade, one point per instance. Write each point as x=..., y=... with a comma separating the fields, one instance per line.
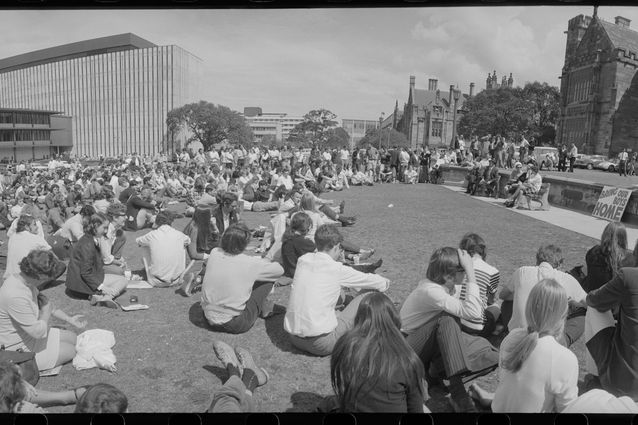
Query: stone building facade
x=428, y=115
x=600, y=64
x=491, y=83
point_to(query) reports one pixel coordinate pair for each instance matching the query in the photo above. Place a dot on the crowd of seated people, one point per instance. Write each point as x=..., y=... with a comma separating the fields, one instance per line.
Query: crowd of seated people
x=440, y=337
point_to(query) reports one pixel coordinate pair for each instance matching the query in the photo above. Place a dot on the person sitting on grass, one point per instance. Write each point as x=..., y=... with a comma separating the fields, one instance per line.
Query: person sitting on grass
x=410, y=175
x=23, y=241
x=244, y=377
x=236, y=286
x=227, y=212
x=612, y=359
x=163, y=252
x=296, y=243
x=25, y=314
x=85, y=276
x=430, y=317
x=102, y=398
x=537, y=373
x=113, y=241
x=311, y=321
x=516, y=291
x=140, y=210
x=487, y=278
x=372, y=367
x=530, y=187
x=605, y=259
x=18, y=396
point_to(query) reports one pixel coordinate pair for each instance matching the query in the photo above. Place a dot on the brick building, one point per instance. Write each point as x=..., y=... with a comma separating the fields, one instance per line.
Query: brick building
x=597, y=111
x=428, y=115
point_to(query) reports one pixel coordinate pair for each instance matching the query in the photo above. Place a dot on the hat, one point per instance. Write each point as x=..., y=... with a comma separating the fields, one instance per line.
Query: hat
x=518, y=164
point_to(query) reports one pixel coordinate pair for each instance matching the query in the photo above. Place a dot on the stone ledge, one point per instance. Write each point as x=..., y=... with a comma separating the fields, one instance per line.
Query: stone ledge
x=564, y=192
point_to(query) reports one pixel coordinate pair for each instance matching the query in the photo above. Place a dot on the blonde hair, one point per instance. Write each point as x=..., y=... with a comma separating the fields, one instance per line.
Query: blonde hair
x=545, y=311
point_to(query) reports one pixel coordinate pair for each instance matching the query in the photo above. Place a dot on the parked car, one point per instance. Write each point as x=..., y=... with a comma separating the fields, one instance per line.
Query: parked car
x=607, y=165
x=588, y=161
x=544, y=156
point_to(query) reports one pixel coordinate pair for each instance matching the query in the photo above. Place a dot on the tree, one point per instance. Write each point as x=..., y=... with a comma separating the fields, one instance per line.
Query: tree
x=389, y=137
x=314, y=126
x=336, y=138
x=508, y=111
x=209, y=124
x=546, y=100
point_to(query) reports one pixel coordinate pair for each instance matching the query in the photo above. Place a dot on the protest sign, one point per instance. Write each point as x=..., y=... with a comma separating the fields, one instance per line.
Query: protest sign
x=611, y=203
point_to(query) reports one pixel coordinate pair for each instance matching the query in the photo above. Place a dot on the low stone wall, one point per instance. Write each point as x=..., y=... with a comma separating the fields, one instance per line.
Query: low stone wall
x=564, y=192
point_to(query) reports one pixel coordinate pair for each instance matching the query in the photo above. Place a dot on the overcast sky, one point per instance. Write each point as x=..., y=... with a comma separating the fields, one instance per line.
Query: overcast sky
x=355, y=62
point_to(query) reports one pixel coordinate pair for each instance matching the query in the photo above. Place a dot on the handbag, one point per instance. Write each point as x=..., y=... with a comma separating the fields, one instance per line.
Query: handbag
x=25, y=360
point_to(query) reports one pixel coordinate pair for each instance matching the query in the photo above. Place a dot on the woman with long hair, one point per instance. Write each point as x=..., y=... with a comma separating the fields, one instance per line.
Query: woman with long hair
x=203, y=233
x=538, y=374
x=604, y=259
x=372, y=368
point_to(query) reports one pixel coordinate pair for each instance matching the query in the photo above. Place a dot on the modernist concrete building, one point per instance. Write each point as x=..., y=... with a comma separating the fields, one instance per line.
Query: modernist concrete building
x=27, y=134
x=598, y=113
x=357, y=129
x=117, y=89
x=270, y=126
x=429, y=116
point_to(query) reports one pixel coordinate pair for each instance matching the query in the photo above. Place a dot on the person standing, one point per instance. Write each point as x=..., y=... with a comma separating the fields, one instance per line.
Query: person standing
x=622, y=164
x=562, y=158
x=573, y=152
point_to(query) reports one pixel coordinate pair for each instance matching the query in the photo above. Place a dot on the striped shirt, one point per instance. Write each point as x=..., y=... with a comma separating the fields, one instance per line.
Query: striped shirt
x=487, y=278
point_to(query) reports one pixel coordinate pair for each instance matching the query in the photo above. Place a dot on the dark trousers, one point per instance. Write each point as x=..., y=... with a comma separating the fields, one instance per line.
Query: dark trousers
x=571, y=164
x=562, y=164
x=445, y=350
x=622, y=168
x=248, y=317
x=574, y=324
x=118, y=246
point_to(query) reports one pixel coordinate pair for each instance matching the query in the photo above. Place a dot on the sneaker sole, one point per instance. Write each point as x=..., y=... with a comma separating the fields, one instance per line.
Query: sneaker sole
x=248, y=362
x=227, y=355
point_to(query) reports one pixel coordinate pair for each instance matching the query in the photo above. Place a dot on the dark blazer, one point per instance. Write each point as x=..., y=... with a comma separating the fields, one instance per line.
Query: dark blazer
x=133, y=207
x=619, y=374
x=491, y=173
x=219, y=219
x=86, y=270
x=293, y=248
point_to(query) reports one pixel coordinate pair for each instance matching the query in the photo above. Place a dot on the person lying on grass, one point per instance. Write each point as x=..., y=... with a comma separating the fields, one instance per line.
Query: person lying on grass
x=18, y=396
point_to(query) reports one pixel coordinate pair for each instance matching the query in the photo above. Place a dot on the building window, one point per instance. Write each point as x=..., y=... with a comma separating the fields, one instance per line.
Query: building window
x=437, y=128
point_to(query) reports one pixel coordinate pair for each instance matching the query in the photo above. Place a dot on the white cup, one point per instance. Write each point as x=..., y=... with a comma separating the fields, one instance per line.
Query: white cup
x=127, y=274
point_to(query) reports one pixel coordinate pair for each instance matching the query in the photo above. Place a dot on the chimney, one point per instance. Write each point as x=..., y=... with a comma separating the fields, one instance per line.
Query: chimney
x=450, y=96
x=471, y=89
x=623, y=22
x=432, y=83
x=412, y=78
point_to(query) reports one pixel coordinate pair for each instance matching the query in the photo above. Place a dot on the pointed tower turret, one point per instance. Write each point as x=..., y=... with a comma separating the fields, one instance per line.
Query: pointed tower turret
x=510, y=81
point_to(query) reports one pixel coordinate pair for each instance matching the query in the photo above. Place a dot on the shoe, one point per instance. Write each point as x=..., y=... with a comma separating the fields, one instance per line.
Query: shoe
x=345, y=222
x=103, y=301
x=367, y=268
x=247, y=362
x=365, y=253
x=342, y=207
x=226, y=355
x=187, y=284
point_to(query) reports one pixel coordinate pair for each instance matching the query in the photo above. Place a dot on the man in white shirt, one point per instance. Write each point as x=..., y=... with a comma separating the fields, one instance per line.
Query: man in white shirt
x=311, y=320
x=165, y=256
x=22, y=242
x=622, y=162
x=516, y=291
x=429, y=318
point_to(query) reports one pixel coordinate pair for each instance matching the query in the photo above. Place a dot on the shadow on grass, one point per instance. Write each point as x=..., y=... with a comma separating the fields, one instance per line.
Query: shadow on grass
x=196, y=316
x=278, y=336
x=220, y=372
x=304, y=402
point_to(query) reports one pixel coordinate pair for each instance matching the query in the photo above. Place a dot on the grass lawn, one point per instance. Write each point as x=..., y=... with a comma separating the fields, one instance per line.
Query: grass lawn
x=165, y=359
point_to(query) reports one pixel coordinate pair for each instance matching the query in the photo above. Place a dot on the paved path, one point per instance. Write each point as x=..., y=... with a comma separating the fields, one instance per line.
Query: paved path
x=561, y=217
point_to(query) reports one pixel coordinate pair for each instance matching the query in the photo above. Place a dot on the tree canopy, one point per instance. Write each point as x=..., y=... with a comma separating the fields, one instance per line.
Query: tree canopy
x=532, y=110
x=209, y=124
x=314, y=128
x=389, y=137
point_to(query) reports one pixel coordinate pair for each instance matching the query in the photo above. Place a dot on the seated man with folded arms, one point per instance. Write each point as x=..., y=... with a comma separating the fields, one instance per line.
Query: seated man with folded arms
x=430, y=320
x=164, y=252
x=311, y=320
x=516, y=291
